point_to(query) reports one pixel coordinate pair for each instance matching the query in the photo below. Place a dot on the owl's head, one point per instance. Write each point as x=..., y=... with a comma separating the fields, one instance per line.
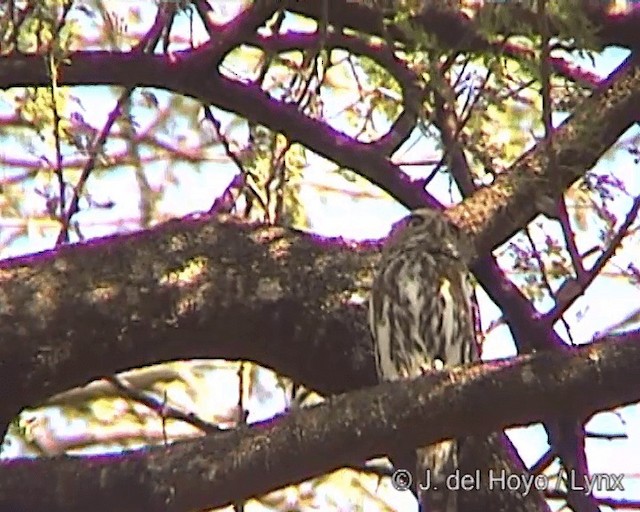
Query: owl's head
x=431, y=231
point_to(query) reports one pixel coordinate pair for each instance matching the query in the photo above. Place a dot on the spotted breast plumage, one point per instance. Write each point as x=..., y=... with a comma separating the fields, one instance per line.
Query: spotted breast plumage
x=420, y=316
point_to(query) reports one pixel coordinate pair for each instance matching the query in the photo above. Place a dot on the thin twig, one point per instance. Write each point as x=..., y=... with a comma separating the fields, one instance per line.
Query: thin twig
x=552, y=316
x=161, y=406
x=90, y=164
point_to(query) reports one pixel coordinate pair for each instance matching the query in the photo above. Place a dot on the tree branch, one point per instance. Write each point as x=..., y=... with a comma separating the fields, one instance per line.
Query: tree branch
x=496, y=212
x=220, y=469
x=579, y=142
x=456, y=31
x=193, y=288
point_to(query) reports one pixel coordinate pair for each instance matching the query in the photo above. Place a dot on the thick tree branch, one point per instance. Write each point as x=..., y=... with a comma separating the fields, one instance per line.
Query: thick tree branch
x=496, y=212
x=381, y=54
x=597, y=123
x=185, y=290
x=189, y=74
x=221, y=468
x=456, y=31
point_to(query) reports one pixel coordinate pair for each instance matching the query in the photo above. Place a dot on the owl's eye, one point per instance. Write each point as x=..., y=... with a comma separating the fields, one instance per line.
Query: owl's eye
x=414, y=221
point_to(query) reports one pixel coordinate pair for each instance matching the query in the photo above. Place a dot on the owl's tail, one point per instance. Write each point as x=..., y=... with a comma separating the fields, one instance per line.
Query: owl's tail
x=436, y=463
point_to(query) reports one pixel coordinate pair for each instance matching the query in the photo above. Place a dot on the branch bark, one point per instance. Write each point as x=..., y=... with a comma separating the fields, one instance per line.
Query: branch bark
x=220, y=469
x=185, y=290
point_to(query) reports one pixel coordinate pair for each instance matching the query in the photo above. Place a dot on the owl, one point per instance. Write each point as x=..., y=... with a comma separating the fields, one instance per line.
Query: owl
x=421, y=319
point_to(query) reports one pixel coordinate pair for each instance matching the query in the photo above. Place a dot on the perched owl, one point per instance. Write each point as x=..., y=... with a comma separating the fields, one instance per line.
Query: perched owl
x=420, y=316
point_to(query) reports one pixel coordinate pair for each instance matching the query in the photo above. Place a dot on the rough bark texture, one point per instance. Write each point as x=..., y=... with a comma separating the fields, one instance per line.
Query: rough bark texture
x=218, y=469
x=498, y=211
x=187, y=289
